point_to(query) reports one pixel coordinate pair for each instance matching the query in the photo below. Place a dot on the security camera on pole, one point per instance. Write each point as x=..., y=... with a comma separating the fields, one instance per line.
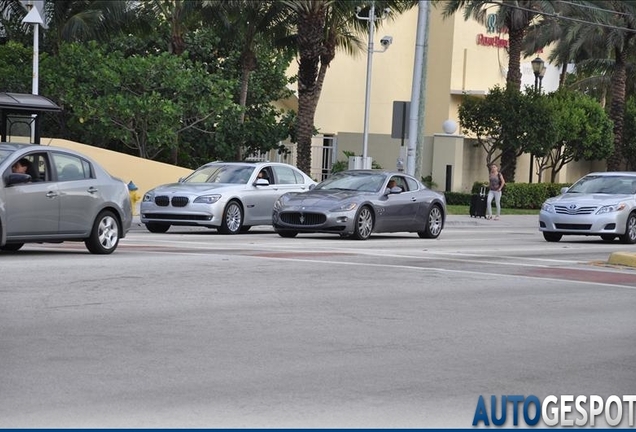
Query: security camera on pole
x=386, y=41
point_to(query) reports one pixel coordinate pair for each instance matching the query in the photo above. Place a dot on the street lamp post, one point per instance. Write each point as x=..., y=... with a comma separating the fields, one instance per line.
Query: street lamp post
x=386, y=42
x=33, y=17
x=538, y=69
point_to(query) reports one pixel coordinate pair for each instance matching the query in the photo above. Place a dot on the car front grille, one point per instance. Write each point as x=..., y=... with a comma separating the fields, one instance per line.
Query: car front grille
x=173, y=216
x=574, y=211
x=573, y=227
x=177, y=201
x=303, y=219
x=162, y=201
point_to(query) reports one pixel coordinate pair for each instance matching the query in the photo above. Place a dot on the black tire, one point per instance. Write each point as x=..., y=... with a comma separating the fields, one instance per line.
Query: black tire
x=552, y=237
x=287, y=233
x=12, y=247
x=363, y=224
x=434, y=223
x=232, y=218
x=608, y=238
x=630, y=230
x=104, y=236
x=157, y=228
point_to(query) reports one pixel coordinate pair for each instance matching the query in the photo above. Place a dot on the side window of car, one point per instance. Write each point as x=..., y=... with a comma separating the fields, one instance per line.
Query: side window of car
x=37, y=166
x=412, y=184
x=401, y=183
x=285, y=175
x=71, y=168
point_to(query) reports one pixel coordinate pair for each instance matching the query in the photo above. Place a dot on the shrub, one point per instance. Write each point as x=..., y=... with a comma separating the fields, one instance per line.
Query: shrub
x=526, y=195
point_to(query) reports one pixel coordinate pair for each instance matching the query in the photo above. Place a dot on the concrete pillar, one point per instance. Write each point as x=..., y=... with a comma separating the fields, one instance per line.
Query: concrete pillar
x=448, y=150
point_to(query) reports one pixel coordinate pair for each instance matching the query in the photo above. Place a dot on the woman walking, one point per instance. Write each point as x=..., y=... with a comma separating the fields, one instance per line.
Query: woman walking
x=496, y=182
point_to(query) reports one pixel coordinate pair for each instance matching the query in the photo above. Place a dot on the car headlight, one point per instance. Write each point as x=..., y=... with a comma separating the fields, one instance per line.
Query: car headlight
x=278, y=204
x=611, y=208
x=547, y=207
x=148, y=197
x=345, y=207
x=207, y=199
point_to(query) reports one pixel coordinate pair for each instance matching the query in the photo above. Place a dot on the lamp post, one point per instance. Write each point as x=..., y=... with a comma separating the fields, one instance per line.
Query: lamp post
x=386, y=42
x=33, y=17
x=538, y=69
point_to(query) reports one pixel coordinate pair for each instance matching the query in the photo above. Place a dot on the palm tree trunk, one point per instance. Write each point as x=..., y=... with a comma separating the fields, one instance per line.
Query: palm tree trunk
x=513, y=83
x=311, y=23
x=617, y=109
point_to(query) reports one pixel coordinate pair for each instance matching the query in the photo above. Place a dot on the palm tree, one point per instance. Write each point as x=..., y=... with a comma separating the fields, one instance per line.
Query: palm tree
x=323, y=26
x=601, y=36
x=83, y=20
x=516, y=16
x=255, y=24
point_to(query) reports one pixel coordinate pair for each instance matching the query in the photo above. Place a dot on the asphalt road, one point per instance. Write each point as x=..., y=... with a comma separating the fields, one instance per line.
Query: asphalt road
x=193, y=329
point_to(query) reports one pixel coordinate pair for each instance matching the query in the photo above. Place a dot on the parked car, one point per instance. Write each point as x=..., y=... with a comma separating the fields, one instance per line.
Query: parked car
x=358, y=203
x=60, y=195
x=602, y=204
x=229, y=196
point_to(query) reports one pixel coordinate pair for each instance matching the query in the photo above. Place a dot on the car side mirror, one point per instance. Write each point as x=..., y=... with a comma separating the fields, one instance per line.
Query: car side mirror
x=17, y=178
x=564, y=190
x=311, y=186
x=261, y=182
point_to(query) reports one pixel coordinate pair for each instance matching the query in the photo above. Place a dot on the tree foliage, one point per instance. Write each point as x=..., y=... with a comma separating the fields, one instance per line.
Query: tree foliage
x=629, y=134
x=507, y=120
x=143, y=102
x=583, y=131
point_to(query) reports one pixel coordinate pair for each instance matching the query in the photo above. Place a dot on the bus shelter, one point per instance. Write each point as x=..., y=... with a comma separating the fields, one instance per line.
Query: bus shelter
x=20, y=115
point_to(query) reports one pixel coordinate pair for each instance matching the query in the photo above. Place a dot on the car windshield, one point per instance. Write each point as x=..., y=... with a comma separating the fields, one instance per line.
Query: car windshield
x=354, y=181
x=595, y=184
x=221, y=173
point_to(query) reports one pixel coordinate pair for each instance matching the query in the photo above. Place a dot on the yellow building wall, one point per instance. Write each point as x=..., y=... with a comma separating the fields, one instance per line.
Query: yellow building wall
x=145, y=174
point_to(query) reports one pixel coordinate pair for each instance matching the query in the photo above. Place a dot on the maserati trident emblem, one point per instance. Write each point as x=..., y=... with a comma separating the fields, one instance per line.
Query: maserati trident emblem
x=301, y=218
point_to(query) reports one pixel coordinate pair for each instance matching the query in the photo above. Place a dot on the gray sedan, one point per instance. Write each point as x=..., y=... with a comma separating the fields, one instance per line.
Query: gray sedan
x=357, y=203
x=51, y=195
x=602, y=204
x=229, y=196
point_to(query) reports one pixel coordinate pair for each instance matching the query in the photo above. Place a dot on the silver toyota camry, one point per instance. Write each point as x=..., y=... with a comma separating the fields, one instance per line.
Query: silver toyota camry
x=357, y=203
x=51, y=195
x=229, y=196
x=601, y=204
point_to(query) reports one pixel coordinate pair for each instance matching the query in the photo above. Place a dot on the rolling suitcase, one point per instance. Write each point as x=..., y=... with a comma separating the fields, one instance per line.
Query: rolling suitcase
x=478, y=203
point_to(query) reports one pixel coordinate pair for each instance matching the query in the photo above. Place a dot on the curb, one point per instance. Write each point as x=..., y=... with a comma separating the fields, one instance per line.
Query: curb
x=623, y=258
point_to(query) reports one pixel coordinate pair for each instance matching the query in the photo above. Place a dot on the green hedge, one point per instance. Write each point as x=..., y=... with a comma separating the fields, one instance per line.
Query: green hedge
x=515, y=195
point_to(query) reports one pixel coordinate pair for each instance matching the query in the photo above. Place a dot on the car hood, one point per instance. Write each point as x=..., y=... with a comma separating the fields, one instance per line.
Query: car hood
x=589, y=199
x=323, y=198
x=195, y=188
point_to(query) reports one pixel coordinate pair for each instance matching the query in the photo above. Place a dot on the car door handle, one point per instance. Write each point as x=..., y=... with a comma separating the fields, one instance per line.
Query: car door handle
x=51, y=194
x=413, y=199
x=92, y=190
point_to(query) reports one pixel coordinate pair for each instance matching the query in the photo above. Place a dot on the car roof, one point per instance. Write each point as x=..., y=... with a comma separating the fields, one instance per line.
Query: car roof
x=255, y=164
x=379, y=171
x=614, y=173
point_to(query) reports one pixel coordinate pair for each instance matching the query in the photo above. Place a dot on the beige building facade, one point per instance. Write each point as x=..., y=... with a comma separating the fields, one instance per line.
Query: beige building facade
x=461, y=57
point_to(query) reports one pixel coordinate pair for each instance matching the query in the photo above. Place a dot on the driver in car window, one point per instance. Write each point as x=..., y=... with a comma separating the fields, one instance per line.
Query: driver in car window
x=21, y=166
x=392, y=187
